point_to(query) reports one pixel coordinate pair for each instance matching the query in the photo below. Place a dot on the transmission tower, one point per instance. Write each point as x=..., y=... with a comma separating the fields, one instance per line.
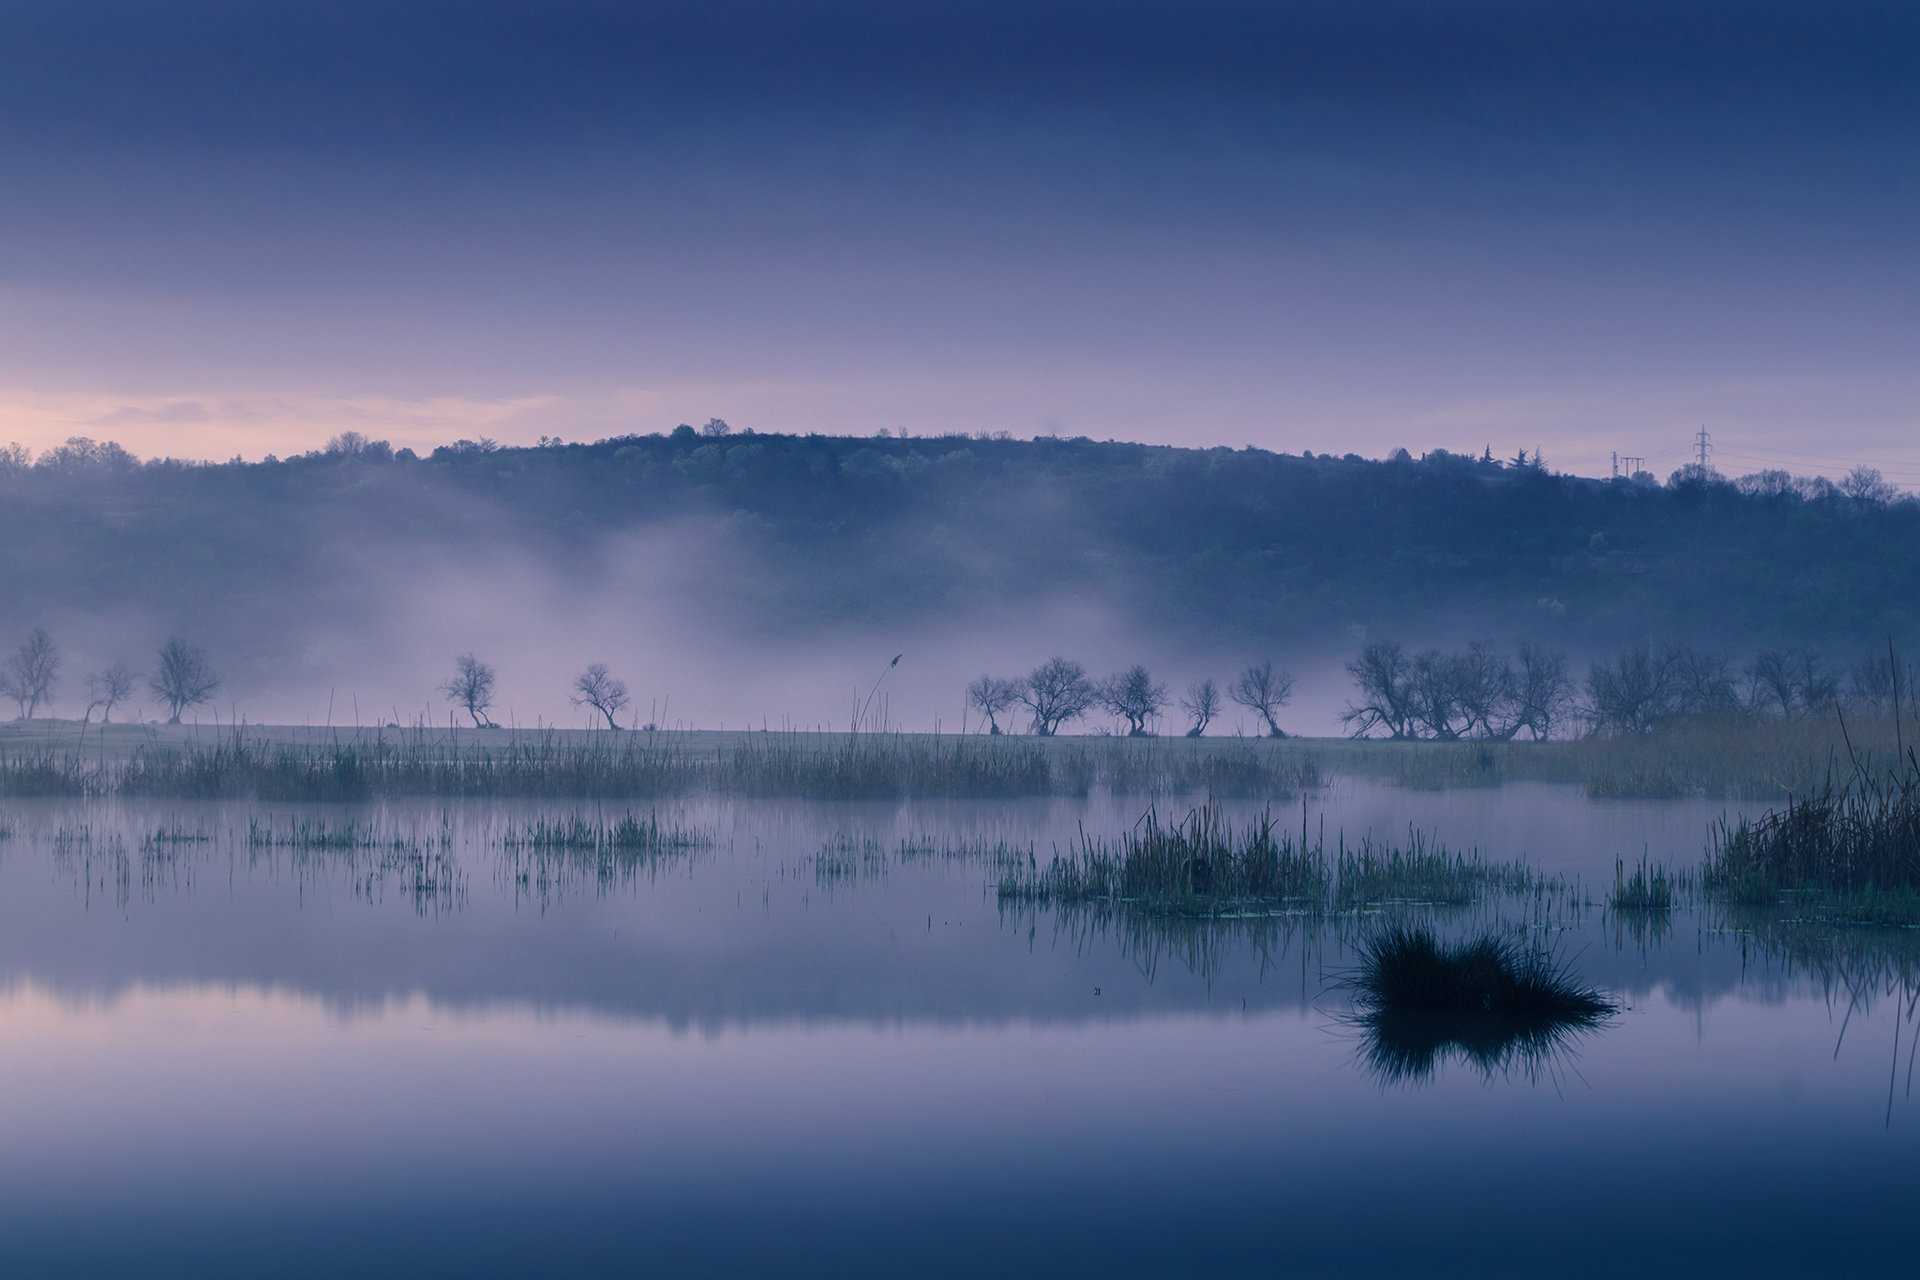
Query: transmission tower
x=1702, y=447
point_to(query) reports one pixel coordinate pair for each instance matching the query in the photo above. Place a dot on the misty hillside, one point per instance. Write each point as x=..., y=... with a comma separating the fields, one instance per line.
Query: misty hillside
x=786, y=535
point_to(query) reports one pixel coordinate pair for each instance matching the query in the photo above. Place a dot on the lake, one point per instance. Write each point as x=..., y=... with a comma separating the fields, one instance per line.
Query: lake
x=800, y=1048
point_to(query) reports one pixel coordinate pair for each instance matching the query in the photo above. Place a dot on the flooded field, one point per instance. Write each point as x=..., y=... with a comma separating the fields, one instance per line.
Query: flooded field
x=736, y=1036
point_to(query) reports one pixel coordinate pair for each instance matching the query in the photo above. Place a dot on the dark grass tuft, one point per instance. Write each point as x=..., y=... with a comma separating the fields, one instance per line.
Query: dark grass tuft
x=1648, y=888
x=1408, y=967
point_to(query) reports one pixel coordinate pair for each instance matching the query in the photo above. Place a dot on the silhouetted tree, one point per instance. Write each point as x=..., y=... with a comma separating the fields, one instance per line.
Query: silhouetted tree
x=471, y=687
x=1202, y=704
x=990, y=696
x=1055, y=692
x=1134, y=697
x=1384, y=675
x=1795, y=681
x=1874, y=680
x=107, y=690
x=1633, y=693
x=182, y=678
x=1542, y=692
x=595, y=687
x=1699, y=683
x=1263, y=690
x=28, y=674
x=1866, y=484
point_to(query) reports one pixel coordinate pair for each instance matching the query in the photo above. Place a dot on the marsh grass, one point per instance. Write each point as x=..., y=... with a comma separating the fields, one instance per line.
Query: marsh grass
x=45, y=772
x=845, y=859
x=1202, y=866
x=1650, y=887
x=1720, y=757
x=281, y=766
x=318, y=834
x=551, y=857
x=578, y=833
x=1205, y=866
x=1640, y=784
x=1847, y=851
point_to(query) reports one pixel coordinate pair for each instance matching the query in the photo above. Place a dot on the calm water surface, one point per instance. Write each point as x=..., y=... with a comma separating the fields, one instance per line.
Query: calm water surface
x=796, y=1051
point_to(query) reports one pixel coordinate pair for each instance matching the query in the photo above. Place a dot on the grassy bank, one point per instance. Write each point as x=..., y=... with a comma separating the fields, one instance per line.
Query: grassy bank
x=306, y=765
x=1732, y=758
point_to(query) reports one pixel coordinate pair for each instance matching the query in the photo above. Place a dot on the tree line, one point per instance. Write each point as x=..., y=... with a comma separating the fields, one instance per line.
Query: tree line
x=1059, y=691
x=182, y=677
x=1480, y=692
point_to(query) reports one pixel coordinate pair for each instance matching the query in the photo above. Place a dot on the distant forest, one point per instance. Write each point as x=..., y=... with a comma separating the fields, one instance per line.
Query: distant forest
x=822, y=532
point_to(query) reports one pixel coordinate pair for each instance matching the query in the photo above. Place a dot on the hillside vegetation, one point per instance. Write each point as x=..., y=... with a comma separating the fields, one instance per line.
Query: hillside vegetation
x=812, y=531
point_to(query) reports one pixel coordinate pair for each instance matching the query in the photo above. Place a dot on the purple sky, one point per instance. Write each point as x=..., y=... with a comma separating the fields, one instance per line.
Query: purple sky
x=241, y=228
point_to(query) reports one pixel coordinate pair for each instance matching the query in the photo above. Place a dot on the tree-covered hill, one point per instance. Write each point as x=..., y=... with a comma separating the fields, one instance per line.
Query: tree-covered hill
x=800, y=533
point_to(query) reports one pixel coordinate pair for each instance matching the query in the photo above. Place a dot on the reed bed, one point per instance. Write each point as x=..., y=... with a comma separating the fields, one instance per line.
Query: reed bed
x=1648, y=887
x=577, y=833
x=365, y=766
x=1849, y=851
x=548, y=858
x=319, y=835
x=1206, y=866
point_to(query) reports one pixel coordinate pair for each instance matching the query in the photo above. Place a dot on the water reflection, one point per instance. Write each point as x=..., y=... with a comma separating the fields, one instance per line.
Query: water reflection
x=1404, y=1047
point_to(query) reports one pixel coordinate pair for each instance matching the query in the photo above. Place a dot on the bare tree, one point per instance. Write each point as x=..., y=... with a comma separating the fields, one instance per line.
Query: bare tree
x=1542, y=692
x=27, y=675
x=1480, y=688
x=107, y=690
x=1866, y=484
x=1794, y=680
x=1702, y=683
x=1873, y=680
x=595, y=687
x=1633, y=693
x=1055, y=692
x=990, y=696
x=471, y=687
x=1134, y=697
x=1384, y=675
x=183, y=678
x=1263, y=690
x=1202, y=704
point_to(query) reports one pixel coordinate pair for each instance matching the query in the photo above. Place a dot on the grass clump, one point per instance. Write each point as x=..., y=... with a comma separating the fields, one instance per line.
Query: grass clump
x=1419, y=872
x=1847, y=853
x=1648, y=888
x=1201, y=866
x=1206, y=866
x=1408, y=967
x=577, y=833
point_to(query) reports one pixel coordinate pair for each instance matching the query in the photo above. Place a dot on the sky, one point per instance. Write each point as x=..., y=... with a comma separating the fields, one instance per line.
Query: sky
x=238, y=227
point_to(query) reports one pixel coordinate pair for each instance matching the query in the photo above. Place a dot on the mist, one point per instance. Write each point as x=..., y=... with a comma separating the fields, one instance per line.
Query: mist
x=757, y=581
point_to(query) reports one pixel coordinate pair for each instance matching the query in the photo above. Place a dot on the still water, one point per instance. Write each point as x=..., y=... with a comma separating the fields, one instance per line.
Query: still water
x=797, y=1050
